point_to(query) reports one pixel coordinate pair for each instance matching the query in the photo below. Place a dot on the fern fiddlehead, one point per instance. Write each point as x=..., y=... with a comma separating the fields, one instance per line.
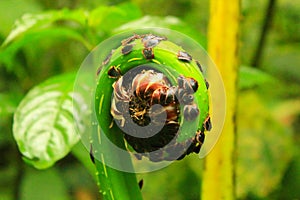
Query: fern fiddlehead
x=159, y=98
x=150, y=105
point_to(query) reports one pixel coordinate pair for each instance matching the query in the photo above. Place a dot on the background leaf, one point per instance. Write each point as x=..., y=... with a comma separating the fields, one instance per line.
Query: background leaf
x=36, y=184
x=8, y=103
x=8, y=54
x=170, y=22
x=43, y=123
x=106, y=18
x=290, y=187
x=265, y=147
x=250, y=77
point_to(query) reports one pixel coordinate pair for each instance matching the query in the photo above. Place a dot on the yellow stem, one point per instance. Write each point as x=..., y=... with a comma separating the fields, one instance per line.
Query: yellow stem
x=218, y=175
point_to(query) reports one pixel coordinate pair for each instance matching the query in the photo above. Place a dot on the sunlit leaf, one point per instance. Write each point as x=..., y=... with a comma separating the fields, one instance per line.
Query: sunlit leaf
x=43, y=123
x=13, y=9
x=29, y=22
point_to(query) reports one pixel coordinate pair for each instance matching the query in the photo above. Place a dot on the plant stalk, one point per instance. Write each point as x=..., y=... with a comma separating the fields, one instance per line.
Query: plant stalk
x=113, y=184
x=256, y=61
x=219, y=166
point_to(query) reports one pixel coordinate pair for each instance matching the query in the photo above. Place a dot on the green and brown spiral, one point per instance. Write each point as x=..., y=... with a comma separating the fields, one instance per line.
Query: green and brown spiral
x=156, y=96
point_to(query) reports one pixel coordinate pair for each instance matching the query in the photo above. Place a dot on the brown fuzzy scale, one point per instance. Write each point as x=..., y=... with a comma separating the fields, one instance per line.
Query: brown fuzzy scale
x=199, y=66
x=92, y=154
x=207, y=124
x=184, y=56
x=141, y=183
x=127, y=49
x=207, y=84
x=148, y=53
x=114, y=72
x=108, y=57
x=105, y=62
x=151, y=41
x=130, y=39
x=99, y=70
x=190, y=112
x=188, y=85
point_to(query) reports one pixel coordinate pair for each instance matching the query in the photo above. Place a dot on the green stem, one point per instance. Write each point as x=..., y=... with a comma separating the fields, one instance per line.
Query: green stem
x=116, y=184
x=113, y=184
x=219, y=170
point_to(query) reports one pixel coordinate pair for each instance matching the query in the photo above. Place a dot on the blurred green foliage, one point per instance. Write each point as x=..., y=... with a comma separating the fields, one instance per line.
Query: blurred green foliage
x=52, y=37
